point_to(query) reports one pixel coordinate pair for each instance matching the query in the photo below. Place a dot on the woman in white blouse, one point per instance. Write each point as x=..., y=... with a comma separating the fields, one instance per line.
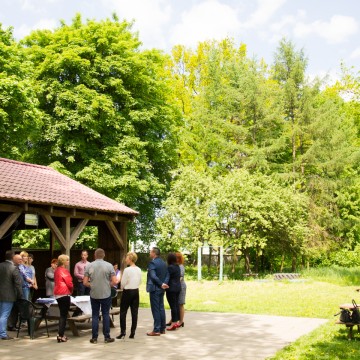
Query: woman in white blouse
x=130, y=282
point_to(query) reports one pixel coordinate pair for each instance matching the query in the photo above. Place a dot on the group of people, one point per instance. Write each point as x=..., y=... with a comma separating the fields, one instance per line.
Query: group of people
x=97, y=279
x=18, y=282
x=168, y=278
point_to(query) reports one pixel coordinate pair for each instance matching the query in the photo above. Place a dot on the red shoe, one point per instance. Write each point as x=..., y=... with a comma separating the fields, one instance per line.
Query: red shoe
x=174, y=327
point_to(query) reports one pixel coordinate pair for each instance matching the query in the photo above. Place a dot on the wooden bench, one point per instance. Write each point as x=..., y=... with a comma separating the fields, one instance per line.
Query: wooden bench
x=251, y=275
x=74, y=319
x=349, y=325
x=115, y=311
x=286, y=276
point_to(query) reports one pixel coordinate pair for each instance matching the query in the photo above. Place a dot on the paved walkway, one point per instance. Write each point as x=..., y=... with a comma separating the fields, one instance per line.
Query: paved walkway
x=204, y=336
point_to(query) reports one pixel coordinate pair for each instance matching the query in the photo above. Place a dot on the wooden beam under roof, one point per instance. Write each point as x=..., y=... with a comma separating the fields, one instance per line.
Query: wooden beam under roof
x=9, y=221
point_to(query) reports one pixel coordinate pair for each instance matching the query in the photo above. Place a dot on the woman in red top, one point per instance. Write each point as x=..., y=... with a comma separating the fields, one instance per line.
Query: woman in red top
x=63, y=288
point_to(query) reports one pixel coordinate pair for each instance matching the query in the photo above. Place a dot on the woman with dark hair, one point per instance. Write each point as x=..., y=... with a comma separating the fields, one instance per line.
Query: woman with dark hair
x=173, y=292
x=62, y=290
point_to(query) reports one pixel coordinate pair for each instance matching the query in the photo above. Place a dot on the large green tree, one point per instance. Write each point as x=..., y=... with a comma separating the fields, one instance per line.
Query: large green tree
x=20, y=117
x=108, y=118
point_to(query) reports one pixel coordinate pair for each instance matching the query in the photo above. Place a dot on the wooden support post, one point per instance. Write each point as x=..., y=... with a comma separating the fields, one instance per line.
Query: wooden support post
x=117, y=237
x=66, y=231
x=52, y=226
x=123, y=234
x=77, y=231
x=9, y=221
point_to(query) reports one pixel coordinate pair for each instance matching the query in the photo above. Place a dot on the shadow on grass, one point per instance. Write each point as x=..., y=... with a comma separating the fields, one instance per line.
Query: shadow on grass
x=328, y=342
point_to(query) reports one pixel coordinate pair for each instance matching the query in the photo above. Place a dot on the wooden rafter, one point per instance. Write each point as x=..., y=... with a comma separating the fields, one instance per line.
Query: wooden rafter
x=77, y=214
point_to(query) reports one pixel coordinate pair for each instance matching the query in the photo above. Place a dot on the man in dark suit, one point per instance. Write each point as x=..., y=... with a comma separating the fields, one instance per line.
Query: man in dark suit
x=10, y=291
x=157, y=277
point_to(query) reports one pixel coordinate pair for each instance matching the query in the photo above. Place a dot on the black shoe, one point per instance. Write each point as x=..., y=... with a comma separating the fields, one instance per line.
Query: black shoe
x=168, y=324
x=121, y=336
x=109, y=340
x=132, y=336
x=7, y=338
x=93, y=341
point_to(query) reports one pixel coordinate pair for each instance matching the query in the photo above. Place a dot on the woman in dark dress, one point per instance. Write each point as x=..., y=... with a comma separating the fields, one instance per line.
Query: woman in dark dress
x=173, y=292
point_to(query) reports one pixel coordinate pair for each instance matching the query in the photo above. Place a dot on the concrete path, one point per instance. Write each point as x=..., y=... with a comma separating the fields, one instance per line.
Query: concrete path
x=204, y=336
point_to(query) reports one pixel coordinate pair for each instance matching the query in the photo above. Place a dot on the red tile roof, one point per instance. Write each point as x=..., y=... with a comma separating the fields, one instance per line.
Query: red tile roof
x=38, y=184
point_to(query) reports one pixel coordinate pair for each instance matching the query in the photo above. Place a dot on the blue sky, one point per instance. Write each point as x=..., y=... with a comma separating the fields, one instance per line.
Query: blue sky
x=327, y=30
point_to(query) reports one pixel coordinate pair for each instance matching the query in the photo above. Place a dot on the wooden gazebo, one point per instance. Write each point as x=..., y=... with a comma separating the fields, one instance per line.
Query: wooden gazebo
x=61, y=204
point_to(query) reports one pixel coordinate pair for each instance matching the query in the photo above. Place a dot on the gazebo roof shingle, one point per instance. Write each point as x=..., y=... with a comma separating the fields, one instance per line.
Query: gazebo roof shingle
x=25, y=182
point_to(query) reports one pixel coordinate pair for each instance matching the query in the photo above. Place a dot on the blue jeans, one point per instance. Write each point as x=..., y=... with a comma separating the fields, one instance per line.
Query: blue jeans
x=158, y=309
x=105, y=305
x=26, y=293
x=82, y=289
x=5, y=309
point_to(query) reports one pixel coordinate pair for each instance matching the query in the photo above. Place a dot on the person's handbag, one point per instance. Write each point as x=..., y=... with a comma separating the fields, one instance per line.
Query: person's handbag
x=355, y=316
x=345, y=316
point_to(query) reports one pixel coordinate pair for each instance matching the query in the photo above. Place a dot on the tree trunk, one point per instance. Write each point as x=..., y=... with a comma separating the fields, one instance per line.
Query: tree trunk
x=257, y=262
x=282, y=262
x=293, y=263
x=209, y=259
x=247, y=261
x=234, y=261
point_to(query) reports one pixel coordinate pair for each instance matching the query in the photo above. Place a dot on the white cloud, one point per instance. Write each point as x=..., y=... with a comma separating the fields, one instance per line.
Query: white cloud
x=355, y=54
x=264, y=12
x=205, y=21
x=337, y=30
x=35, y=5
x=150, y=17
x=284, y=26
x=25, y=30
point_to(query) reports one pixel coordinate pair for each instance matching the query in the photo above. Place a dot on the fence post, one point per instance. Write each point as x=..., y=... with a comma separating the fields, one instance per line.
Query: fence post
x=199, y=263
x=221, y=263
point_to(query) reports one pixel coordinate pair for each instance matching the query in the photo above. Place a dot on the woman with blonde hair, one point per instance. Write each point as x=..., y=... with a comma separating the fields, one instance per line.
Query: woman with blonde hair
x=27, y=275
x=130, y=282
x=62, y=290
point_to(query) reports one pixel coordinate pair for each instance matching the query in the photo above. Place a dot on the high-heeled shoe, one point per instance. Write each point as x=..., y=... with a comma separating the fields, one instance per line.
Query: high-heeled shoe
x=121, y=336
x=132, y=336
x=173, y=327
x=169, y=323
x=181, y=325
x=61, y=339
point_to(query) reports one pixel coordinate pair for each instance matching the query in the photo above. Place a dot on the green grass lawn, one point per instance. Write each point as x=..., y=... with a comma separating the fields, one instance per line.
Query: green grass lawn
x=317, y=296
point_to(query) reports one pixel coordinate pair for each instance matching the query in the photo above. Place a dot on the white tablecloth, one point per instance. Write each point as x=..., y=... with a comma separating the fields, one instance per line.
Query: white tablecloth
x=82, y=302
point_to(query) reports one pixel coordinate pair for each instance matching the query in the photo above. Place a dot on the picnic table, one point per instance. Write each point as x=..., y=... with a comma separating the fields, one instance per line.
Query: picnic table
x=81, y=302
